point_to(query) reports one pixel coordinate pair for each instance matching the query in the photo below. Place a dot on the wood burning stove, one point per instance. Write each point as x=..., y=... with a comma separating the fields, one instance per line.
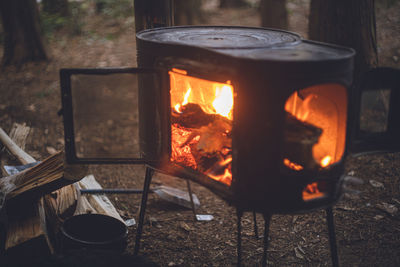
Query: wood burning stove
x=258, y=116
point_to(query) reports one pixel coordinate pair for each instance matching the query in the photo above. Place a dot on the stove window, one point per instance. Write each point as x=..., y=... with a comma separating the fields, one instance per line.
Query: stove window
x=105, y=115
x=201, y=124
x=374, y=111
x=315, y=133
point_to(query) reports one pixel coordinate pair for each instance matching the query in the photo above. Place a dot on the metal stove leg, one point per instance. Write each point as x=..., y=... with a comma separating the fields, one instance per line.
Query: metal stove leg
x=146, y=189
x=267, y=220
x=191, y=199
x=239, y=236
x=332, y=236
x=255, y=225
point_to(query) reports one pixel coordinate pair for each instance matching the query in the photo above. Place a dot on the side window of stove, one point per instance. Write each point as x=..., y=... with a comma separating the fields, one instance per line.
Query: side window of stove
x=105, y=115
x=374, y=111
x=315, y=133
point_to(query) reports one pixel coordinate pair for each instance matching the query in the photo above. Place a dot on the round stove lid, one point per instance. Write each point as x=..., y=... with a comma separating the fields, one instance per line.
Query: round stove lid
x=220, y=37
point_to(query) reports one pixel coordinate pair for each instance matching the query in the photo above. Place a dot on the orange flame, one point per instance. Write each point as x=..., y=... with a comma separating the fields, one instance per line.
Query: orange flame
x=213, y=98
x=311, y=192
x=223, y=102
x=292, y=165
x=326, y=161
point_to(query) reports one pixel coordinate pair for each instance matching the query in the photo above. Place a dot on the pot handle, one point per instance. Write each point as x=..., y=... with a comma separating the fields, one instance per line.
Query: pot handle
x=376, y=126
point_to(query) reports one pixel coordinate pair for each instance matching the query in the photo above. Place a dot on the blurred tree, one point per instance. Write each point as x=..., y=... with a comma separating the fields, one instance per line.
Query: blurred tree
x=151, y=14
x=22, y=37
x=349, y=23
x=274, y=14
x=187, y=12
x=59, y=7
x=232, y=3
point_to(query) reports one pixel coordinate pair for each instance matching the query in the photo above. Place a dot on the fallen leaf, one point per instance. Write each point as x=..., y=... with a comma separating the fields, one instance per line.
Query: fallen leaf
x=185, y=227
x=378, y=217
x=376, y=184
x=389, y=208
x=298, y=253
x=345, y=208
x=51, y=150
x=351, y=173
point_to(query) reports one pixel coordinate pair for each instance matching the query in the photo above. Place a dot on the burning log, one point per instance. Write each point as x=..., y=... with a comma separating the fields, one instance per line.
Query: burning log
x=300, y=137
x=191, y=116
x=209, y=139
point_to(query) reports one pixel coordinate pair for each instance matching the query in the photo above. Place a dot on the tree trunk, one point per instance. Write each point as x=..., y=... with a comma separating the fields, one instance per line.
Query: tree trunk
x=349, y=23
x=188, y=12
x=151, y=14
x=231, y=3
x=22, y=37
x=59, y=7
x=274, y=14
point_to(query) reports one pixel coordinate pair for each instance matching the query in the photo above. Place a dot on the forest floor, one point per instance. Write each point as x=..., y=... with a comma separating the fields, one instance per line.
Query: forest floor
x=368, y=234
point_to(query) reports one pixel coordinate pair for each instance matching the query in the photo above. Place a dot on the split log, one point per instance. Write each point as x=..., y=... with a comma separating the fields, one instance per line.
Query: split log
x=41, y=179
x=24, y=188
x=94, y=203
x=300, y=137
x=29, y=223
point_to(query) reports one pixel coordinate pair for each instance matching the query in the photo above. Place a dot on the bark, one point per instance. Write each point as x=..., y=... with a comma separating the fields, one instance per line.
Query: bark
x=349, y=23
x=22, y=37
x=59, y=7
x=188, y=12
x=151, y=14
x=274, y=14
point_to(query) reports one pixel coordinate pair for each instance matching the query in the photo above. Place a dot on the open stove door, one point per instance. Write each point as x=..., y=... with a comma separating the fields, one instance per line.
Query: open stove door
x=377, y=112
x=101, y=115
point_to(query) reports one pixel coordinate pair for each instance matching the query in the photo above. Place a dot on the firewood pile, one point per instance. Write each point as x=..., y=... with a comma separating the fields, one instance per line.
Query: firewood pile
x=34, y=202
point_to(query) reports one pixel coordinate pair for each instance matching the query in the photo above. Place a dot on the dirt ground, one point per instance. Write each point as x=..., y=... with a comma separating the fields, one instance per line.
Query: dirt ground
x=368, y=225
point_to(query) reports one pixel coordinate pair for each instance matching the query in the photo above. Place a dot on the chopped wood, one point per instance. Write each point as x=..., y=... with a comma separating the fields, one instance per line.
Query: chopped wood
x=300, y=137
x=94, y=203
x=41, y=179
x=29, y=223
x=60, y=205
x=13, y=148
x=191, y=116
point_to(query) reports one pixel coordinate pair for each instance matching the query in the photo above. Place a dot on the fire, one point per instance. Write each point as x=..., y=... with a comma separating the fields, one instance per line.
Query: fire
x=185, y=101
x=311, y=192
x=310, y=106
x=326, y=161
x=201, y=122
x=292, y=165
x=223, y=102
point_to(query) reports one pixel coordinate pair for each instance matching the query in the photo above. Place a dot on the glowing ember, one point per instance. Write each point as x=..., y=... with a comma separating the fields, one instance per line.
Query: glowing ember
x=326, y=161
x=311, y=192
x=292, y=165
x=201, y=123
x=225, y=178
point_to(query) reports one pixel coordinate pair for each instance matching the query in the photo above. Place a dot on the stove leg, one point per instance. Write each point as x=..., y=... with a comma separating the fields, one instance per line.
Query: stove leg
x=146, y=189
x=191, y=199
x=332, y=236
x=239, y=237
x=255, y=225
x=267, y=220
